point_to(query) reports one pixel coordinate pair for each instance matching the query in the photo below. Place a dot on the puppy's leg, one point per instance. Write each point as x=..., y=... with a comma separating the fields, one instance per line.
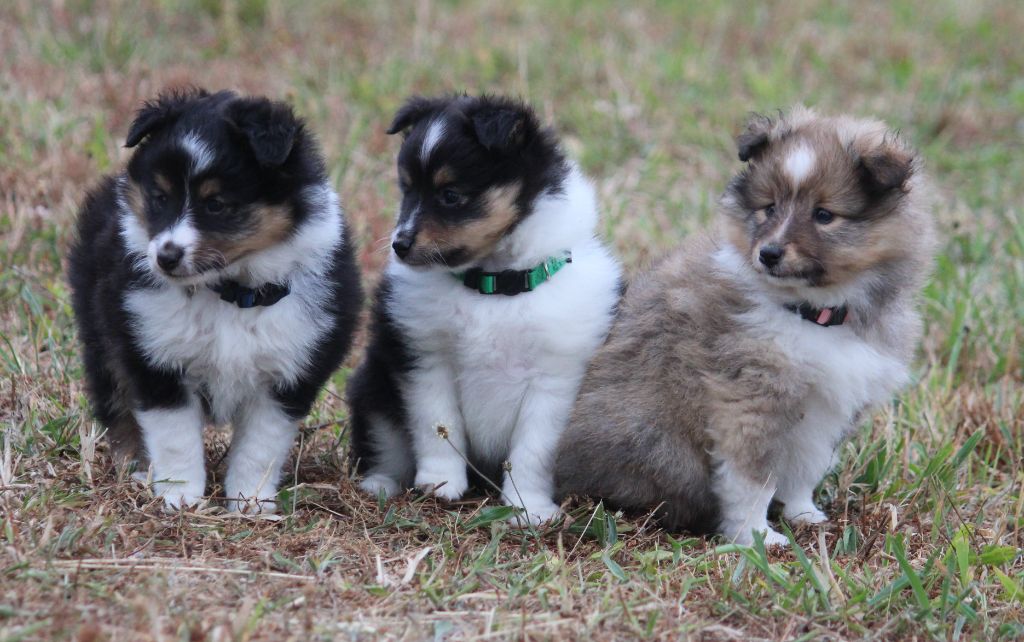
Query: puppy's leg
x=173, y=437
x=807, y=459
x=436, y=425
x=263, y=435
x=392, y=458
x=744, y=502
x=529, y=481
x=751, y=423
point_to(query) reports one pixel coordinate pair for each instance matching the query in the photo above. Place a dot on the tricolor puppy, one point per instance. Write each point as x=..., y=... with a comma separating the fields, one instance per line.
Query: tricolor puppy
x=739, y=363
x=495, y=297
x=213, y=280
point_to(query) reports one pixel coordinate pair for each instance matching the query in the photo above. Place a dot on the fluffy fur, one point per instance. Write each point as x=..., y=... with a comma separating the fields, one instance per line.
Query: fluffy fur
x=482, y=185
x=711, y=397
x=219, y=188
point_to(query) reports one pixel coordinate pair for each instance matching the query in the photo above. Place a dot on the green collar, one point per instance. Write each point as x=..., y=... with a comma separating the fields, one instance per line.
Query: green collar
x=512, y=282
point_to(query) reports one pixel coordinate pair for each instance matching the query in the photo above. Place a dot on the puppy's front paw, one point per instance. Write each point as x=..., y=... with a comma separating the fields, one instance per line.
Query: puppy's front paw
x=775, y=538
x=179, y=495
x=251, y=493
x=771, y=538
x=252, y=505
x=447, y=484
x=539, y=509
x=806, y=514
x=374, y=483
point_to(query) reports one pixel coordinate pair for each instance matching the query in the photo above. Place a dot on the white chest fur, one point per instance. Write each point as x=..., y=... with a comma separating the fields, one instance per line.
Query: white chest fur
x=847, y=374
x=234, y=353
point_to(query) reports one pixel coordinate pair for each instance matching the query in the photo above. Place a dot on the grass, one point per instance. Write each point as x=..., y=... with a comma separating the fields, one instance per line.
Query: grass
x=927, y=514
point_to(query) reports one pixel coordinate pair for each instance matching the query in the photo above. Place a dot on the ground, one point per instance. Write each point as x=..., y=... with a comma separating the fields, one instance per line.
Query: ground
x=925, y=538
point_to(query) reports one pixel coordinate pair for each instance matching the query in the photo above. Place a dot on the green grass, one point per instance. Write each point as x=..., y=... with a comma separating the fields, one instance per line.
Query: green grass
x=927, y=514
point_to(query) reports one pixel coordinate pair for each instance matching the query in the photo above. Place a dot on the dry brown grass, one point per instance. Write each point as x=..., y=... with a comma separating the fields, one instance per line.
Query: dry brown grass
x=926, y=507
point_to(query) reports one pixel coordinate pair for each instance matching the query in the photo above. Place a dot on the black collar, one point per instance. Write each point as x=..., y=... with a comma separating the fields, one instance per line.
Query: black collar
x=243, y=297
x=824, y=317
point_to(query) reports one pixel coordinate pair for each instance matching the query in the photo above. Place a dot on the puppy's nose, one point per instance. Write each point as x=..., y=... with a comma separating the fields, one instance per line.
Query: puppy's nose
x=169, y=256
x=771, y=254
x=403, y=243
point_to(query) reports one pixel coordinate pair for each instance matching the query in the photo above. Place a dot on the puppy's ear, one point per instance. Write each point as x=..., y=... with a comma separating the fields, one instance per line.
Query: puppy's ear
x=504, y=128
x=754, y=138
x=269, y=127
x=886, y=166
x=162, y=112
x=413, y=111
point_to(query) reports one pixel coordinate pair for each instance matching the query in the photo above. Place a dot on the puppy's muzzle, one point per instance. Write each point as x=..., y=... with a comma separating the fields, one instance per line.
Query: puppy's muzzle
x=169, y=256
x=771, y=254
x=402, y=242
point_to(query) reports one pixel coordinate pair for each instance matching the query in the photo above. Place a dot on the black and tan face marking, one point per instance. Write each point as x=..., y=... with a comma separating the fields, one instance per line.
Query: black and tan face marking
x=214, y=179
x=469, y=170
x=815, y=205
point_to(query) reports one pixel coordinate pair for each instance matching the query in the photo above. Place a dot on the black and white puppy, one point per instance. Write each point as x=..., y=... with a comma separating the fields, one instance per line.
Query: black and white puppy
x=482, y=328
x=213, y=280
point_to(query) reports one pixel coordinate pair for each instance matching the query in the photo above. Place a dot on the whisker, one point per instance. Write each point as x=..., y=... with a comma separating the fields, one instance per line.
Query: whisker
x=439, y=254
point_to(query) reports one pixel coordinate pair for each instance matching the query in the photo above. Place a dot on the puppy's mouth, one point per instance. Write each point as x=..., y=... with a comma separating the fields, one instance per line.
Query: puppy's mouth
x=191, y=272
x=805, y=276
x=428, y=258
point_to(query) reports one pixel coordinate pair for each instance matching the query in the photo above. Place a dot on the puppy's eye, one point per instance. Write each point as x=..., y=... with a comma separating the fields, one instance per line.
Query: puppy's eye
x=770, y=210
x=450, y=197
x=160, y=198
x=214, y=205
x=823, y=216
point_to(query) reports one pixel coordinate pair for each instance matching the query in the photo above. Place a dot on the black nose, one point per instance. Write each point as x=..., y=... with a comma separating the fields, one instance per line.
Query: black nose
x=771, y=254
x=403, y=243
x=169, y=256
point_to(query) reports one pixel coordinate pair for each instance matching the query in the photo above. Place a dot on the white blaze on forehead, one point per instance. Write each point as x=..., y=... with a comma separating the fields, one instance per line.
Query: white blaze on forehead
x=799, y=163
x=200, y=153
x=434, y=134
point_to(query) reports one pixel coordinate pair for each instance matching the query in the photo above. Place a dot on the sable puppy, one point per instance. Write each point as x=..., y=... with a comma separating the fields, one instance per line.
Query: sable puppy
x=482, y=328
x=213, y=280
x=739, y=363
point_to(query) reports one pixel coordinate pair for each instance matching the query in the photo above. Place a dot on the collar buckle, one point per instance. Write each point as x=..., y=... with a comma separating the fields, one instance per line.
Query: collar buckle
x=266, y=295
x=512, y=282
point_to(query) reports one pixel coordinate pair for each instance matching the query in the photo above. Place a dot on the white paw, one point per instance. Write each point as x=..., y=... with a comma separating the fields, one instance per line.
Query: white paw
x=538, y=510
x=250, y=494
x=772, y=537
x=775, y=538
x=252, y=505
x=374, y=483
x=179, y=495
x=447, y=484
x=445, y=490
x=807, y=514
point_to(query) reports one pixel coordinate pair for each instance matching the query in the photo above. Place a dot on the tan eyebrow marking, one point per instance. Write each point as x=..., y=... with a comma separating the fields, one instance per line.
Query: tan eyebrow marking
x=209, y=187
x=162, y=182
x=443, y=175
x=403, y=176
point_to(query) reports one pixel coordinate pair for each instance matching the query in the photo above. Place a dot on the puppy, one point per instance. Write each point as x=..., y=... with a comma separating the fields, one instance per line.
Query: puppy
x=739, y=363
x=495, y=297
x=213, y=280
